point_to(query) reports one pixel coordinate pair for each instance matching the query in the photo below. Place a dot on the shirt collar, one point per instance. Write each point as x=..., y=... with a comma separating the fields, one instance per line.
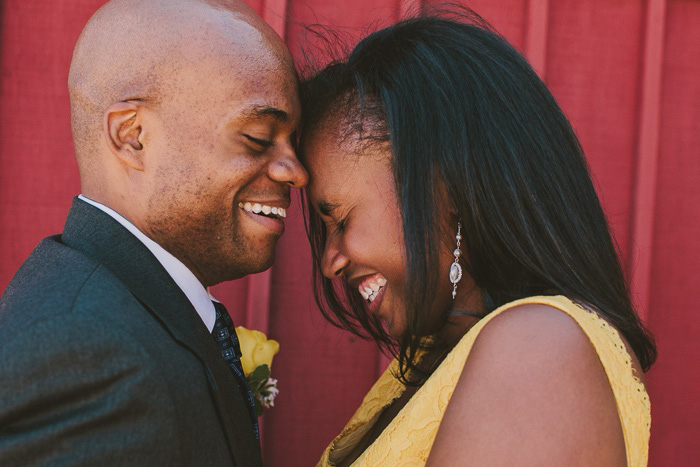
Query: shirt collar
x=199, y=296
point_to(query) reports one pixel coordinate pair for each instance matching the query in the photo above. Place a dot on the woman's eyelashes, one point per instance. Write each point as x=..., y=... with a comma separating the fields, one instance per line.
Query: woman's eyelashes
x=332, y=227
x=339, y=225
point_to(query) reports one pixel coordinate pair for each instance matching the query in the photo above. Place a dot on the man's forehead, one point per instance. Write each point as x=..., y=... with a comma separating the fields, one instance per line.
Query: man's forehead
x=253, y=87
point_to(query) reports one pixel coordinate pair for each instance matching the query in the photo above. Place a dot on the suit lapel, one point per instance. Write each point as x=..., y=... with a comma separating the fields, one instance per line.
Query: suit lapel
x=100, y=237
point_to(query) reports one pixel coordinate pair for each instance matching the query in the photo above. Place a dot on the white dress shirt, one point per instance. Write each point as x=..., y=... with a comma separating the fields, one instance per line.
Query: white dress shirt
x=183, y=277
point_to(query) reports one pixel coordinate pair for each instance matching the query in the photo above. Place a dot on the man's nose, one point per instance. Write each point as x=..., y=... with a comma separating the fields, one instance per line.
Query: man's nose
x=287, y=169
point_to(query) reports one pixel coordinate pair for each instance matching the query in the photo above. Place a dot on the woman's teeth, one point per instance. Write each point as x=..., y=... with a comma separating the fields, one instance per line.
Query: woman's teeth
x=264, y=209
x=369, y=289
x=372, y=295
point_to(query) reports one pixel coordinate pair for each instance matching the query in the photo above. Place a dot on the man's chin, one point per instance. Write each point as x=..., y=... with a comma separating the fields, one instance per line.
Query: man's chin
x=253, y=265
x=225, y=269
x=266, y=264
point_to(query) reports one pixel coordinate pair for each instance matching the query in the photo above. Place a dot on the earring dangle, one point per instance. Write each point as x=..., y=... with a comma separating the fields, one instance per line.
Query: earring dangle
x=456, y=268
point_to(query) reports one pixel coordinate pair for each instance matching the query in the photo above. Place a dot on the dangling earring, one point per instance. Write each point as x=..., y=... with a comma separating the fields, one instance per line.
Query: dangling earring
x=455, y=268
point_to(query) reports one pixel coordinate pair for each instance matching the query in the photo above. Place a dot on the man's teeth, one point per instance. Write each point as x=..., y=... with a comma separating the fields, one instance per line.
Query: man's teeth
x=258, y=208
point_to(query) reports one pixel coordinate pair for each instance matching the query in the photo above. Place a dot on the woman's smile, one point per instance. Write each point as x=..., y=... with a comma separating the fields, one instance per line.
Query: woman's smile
x=372, y=290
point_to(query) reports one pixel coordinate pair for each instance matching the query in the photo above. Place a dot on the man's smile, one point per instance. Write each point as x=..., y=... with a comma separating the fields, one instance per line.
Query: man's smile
x=269, y=213
x=267, y=210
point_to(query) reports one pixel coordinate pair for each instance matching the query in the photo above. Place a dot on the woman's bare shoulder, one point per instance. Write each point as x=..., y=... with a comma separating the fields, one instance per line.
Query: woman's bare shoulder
x=532, y=392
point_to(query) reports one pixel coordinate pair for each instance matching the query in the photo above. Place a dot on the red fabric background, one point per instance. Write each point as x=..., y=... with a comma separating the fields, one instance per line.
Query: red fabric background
x=598, y=57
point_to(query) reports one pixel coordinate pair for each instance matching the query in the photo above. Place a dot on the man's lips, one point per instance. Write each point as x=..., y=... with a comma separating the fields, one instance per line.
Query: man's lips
x=273, y=209
x=269, y=213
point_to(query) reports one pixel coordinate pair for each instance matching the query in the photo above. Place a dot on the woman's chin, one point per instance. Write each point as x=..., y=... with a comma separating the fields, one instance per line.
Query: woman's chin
x=395, y=330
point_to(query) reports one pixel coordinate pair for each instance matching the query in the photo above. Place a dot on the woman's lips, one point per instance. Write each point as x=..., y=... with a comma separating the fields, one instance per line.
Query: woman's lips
x=372, y=290
x=375, y=303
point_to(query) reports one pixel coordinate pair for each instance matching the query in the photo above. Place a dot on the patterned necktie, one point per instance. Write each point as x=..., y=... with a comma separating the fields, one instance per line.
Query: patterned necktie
x=225, y=334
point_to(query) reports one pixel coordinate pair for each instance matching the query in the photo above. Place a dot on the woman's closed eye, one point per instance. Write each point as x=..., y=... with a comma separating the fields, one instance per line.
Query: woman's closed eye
x=329, y=213
x=332, y=225
x=339, y=225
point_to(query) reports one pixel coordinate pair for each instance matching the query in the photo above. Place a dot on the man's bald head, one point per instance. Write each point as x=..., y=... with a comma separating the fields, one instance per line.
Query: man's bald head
x=134, y=50
x=183, y=113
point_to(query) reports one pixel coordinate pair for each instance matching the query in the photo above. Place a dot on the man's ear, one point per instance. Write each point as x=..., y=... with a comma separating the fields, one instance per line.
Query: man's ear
x=122, y=127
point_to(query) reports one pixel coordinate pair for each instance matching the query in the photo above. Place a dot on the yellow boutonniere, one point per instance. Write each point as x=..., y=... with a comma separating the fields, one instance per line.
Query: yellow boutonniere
x=257, y=352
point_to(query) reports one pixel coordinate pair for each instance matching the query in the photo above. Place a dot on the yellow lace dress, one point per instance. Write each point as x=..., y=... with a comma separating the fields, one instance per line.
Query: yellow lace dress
x=408, y=438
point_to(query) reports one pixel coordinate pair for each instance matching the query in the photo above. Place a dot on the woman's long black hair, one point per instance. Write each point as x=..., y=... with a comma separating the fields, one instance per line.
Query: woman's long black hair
x=459, y=105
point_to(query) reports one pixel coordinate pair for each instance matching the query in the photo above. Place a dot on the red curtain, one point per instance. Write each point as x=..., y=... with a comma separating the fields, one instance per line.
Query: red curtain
x=626, y=72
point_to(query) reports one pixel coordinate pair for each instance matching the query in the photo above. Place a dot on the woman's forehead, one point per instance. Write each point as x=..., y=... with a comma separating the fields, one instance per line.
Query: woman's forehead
x=331, y=165
x=339, y=171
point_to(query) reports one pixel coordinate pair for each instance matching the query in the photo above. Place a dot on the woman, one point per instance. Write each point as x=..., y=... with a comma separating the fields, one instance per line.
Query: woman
x=454, y=221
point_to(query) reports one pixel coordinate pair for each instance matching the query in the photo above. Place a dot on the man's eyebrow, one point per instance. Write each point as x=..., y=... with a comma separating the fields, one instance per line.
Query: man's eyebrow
x=327, y=208
x=263, y=111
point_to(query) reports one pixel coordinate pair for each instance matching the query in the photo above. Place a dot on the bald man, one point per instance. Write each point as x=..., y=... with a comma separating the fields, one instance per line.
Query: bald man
x=182, y=115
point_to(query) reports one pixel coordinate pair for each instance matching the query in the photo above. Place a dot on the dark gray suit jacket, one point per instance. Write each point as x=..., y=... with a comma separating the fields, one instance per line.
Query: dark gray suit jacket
x=104, y=361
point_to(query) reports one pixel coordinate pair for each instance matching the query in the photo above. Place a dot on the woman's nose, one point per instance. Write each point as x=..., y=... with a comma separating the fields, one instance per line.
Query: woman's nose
x=333, y=263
